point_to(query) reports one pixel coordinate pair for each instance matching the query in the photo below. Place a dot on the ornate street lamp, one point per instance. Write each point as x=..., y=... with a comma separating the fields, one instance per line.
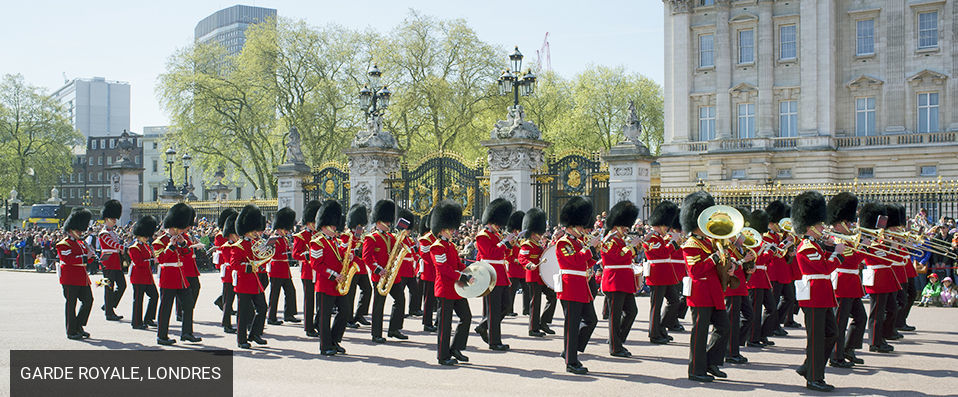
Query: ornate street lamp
x=373, y=99
x=170, y=159
x=517, y=83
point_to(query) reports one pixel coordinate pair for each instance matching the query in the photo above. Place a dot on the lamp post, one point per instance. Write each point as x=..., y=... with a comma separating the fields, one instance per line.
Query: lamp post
x=170, y=159
x=187, y=162
x=517, y=83
x=373, y=100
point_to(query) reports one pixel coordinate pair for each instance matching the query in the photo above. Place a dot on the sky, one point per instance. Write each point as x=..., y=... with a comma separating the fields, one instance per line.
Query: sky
x=131, y=41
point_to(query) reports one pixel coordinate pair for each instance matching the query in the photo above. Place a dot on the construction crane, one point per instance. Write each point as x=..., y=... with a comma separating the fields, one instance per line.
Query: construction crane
x=544, y=51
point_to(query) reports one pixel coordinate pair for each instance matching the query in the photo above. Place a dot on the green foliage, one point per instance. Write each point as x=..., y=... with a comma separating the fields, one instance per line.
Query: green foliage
x=35, y=140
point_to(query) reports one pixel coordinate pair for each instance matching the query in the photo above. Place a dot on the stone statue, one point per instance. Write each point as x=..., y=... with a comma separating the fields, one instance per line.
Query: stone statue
x=294, y=151
x=374, y=136
x=515, y=127
x=632, y=130
x=125, y=147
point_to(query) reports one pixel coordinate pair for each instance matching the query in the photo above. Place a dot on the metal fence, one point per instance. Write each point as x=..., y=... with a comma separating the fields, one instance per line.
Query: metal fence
x=208, y=210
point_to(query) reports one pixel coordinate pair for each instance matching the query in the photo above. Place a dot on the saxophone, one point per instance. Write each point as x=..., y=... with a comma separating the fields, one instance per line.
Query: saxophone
x=396, y=256
x=349, y=268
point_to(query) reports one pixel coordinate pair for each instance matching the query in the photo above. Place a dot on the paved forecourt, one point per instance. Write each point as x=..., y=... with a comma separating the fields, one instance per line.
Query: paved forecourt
x=924, y=363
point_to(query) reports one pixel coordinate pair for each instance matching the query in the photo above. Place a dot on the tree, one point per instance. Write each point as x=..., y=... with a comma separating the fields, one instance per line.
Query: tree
x=35, y=139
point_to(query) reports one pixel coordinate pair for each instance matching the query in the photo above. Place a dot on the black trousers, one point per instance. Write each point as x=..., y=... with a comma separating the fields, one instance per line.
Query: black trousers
x=366, y=292
x=167, y=297
x=847, y=341
x=762, y=324
x=309, y=299
x=113, y=291
x=786, y=307
x=580, y=321
x=193, y=287
x=526, y=297
x=656, y=329
x=396, y=316
x=676, y=306
x=76, y=320
x=138, y=291
x=878, y=314
x=622, y=312
x=495, y=304
x=331, y=335
x=549, y=311
x=820, y=331
x=228, y=297
x=252, y=316
x=704, y=355
x=535, y=305
x=747, y=320
x=263, y=280
x=428, y=289
x=733, y=305
x=289, y=292
x=906, y=298
x=446, y=308
x=515, y=285
x=415, y=294
x=778, y=291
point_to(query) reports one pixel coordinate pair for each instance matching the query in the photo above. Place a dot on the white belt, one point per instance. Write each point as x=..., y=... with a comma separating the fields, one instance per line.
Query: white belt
x=173, y=264
x=898, y=264
x=108, y=250
x=573, y=272
x=847, y=271
x=762, y=267
x=661, y=260
x=873, y=267
x=613, y=267
x=816, y=276
x=496, y=261
x=702, y=279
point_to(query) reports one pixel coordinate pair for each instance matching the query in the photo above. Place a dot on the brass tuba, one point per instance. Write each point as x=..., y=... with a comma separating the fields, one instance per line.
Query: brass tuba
x=397, y=254
x=349, y=268
x=720, y=223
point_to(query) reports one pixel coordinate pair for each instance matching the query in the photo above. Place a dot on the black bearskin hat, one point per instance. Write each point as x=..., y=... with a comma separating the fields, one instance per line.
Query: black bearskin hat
x=534, y=222
x=179, y=216
x=677, y=221
x=776, y=210
x=759, y=221
x=284, y=219
x=384, y=211
x=357, y=216
x=808, y=209
x=229, y=227
x=425, y=224
x=497, y=213
x=78, y=220
x=446, y=215
x=515, y=221
x=663, y=214
x=250, y=219
x=309, y=212
x=868, y=215
x=330, y=214
x=896, y=215
x=576, y=212
x=842, y=207
x=623, y=213
x=112, y=209
x=145, y=227
x=224, y=216
x=402, y=213
x=692, y=207
x=746, y=215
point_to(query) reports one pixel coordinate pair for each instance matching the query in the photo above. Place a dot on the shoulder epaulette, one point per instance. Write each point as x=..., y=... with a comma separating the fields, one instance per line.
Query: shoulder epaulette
x=64, y=241
x=806, y=244
x=692, y=242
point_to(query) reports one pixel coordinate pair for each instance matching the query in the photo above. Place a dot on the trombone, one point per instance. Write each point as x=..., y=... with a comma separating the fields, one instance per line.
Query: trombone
x=854, y=243
x=904, y=239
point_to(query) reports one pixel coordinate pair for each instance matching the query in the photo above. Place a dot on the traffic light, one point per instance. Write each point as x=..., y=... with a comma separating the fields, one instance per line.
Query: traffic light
x=13, y=212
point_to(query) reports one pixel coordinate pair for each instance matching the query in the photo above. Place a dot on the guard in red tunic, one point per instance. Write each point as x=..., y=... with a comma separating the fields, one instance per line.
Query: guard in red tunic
x=788, y=305
x=705, y=295
x=173, y=283
x=759, y=285
x=111, y=250
x=575, y=260
x=279, y=268
x=222, y=264
x=904, y=272
x=778, y=271
x=676, y=306
x=493, y=249
x=814, y=291
x=842, y=209
x=376, y=248
x=352, y=239
x=409, y=270
x=618, y=275
x=190, y=271
x=516, y=273
x=661, y=273
x=530, y=254
x=427, y=274
x=327, y=254
x=444, y=221
x=301, y=256
x=879, y=281
x=743, y=261
x=74, y=255
x=251, y=305
x=141, y=273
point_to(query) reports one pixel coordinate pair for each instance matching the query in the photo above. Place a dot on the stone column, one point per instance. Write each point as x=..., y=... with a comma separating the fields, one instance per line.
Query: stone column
x=767, y=109
x=515, y=152
x=808, y=55
x=723, y=72
x=629, y=173
x=369, y=167
x=125, y=178
x=289, y=176
x=893, y=104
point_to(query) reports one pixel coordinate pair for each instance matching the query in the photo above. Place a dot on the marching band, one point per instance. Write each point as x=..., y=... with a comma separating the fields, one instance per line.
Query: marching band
x=737, y=269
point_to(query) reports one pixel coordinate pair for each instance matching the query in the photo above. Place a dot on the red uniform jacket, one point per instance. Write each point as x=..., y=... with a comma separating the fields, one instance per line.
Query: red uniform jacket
x=529, y=254
x=187, y=257
x=110, y=247
x=357, y=241
x=515, y=270
x=300, y=248
x=408, y=268
x=428, y=268
x=279, y=266
x=171, y=269
x=141, y=256
x=742, y=289
x=885, y=280
x=617, y=272
x=245, y=280
x=706, y=287
x=658, y=256
x=220, y=260
x=910, y=271
x=487, y=243
x=376, y=247
x=326, y=260
x=847, y=282
x=448, y=266
x=678, y=261
x=817, y=267
x=760, y=278
x=899, y=265
x=574, y=260
x=778, y=268
x=74, y=255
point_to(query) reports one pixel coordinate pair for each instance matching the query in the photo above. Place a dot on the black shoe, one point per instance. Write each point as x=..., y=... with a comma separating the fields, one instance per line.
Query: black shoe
x=659, y=341
x=258, y=339
x=545, y=328
x=907, y=328
x=219, y=302
x=801, y=371
x=779, y=332
x=670, y=338
x=576, y=369
x=499, y=347
x=621, y=353
x=292, y=319
x=150, y=323
x=840, y=364
x=850, y=356
x=483, y=333
x=881, y=348
x=678, y=328
x=274, y=322
x=113, y=317
x=459, y=356
x=739, y=359
x=448, y=361
x=379, y=339
x=895, y=336
x=512, y=314
x=792, y=324
x=140, y=326
x=758, y=344
x=701, y=378
x=103, y=307
x=429, y=328
x=340, y=349
x=86, y=335
x=352, y=325
x=312, y=334
x=179, y=317
x=819, y=385
x=362, y=320
x=417, y=313
x=165, y=341
x=329, y=352
x=229, y=330
x=75, y=336
x=716, y=372
x=190, y=338
x=768, y=342
x=244, y=345
x=397, y=335
x=537, y=333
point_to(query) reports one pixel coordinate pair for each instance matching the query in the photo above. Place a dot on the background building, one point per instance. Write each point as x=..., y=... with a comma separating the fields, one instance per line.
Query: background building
x=809, y=91
x=228, y=26
x=96, y=106
x=90, y=179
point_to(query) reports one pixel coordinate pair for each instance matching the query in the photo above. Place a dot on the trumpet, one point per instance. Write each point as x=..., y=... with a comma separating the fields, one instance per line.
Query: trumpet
x=720, y=223
x=349, y=269
x=103, y=282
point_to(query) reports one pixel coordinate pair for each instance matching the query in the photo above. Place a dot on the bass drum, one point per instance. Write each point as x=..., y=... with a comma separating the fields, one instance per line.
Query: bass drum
x=549, y=267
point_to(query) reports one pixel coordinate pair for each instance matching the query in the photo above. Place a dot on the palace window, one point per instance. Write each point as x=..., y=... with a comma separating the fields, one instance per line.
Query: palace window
x=706, y=2
x=746, y=46
x=154, y=166
x=865, y=37
x=784, y=173
x=738, y=174
x=788, y=119
x=866, y=172
x=702, y=175
x=929, y=170
x=706, y=51
x=706, y=123
x=927, y=112
x=788, y=48
x=746, y=120
x=865, y=116
x=156, y=194
x=928, y=30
